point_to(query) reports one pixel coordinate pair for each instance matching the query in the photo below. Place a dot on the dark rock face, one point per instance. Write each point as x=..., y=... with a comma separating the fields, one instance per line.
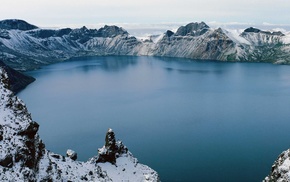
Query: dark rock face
x=169, y=33
x=112, y=149
x=110, y=31
x=192, y=29
x=43, y=33
x=17, y=80
x=1, y=133
x=251, y=29
x=16, y=24
x=7, y=161
x=30, y=131
x=255, y=30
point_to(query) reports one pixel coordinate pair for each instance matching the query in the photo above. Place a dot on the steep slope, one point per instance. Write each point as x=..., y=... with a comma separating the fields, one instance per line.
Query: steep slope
x=264, y=46
x=24, y=46
x=280, y=169
x=17, y=80
x=201, y=42
x=29, y=49
x=23, y=156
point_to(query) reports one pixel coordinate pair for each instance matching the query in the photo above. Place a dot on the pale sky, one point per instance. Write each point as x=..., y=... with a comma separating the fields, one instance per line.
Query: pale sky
x=83, y=12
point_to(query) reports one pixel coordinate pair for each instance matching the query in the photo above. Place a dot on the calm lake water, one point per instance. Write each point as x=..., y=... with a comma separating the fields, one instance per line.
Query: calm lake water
x=188, y=120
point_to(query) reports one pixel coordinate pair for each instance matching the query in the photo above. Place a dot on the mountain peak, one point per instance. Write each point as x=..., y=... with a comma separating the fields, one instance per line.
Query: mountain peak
x=111, y=31
x=16, y=24
x=192, y=29
x=252, y=29
x=255, y=30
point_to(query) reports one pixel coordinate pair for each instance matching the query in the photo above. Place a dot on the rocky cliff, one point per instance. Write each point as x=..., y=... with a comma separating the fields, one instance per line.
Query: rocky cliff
x=17, y=80
x=23, y=156
x=24, y=46
x=280, y=169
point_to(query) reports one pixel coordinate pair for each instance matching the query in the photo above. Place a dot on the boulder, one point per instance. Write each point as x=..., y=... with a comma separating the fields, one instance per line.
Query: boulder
x=71, y=154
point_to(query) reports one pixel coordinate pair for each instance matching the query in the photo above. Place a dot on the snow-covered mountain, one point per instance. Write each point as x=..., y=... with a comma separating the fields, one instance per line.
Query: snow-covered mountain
x=24, y=46
x=23, y=156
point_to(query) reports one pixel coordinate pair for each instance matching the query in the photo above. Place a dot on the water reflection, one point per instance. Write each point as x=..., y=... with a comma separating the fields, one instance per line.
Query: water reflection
x=109, y=63
x=187, y=71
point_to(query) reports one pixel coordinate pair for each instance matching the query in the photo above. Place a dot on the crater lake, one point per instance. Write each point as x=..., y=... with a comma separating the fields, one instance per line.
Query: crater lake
x=188, y=120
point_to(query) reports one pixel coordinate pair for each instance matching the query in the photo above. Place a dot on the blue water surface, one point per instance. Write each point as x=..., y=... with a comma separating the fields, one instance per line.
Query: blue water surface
x=188, y=120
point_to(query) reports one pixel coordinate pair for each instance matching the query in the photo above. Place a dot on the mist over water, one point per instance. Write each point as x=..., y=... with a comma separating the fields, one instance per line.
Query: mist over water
x=188, y=120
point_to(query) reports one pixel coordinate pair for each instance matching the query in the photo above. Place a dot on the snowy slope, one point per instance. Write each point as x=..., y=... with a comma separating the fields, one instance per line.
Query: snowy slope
x=23, y=156
x=280, y=169
x=31, y=48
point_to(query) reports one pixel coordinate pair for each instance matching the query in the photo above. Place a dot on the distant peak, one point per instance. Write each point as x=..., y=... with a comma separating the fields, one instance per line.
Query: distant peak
x=111, y=31
x=192, y=29
x=16, y=24
x=169, y=33
x=255, y=30
x=252, y=29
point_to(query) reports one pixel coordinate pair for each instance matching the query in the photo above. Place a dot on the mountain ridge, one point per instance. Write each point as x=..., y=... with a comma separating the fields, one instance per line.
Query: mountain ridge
x=31, y=48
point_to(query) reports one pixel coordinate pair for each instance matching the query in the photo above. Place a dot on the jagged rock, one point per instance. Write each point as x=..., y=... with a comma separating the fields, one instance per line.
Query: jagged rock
x=192, y=29
x=111, y=31
x=71, y=154
x=169, y=33
x=280, y=169
x=17, y=80
x=30, y=131
x=44, y=33
x=23, y=156
x=31, y=49
x=112, y=148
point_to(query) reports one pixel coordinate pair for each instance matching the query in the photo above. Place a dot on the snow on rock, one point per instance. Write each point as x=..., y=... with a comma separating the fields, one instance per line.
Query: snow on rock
x=23, y=156
x=17, y=80
x=280, y=169
x=28, y=48
x=71, y=154
x=235, y=36
x=286, y=38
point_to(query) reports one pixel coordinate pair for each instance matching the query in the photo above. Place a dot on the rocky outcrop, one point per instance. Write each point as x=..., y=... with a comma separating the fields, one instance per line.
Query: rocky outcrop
x=112, y=149
x=192, y=29
x=255, y=30
x=280, y=171
x=71, y=154
x=23, y=156
x=29, y=47
x=21, y=147
x=17, y=80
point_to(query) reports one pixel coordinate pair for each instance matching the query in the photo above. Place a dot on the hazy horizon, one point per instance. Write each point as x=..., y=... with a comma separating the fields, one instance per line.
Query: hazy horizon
x=95, y=12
